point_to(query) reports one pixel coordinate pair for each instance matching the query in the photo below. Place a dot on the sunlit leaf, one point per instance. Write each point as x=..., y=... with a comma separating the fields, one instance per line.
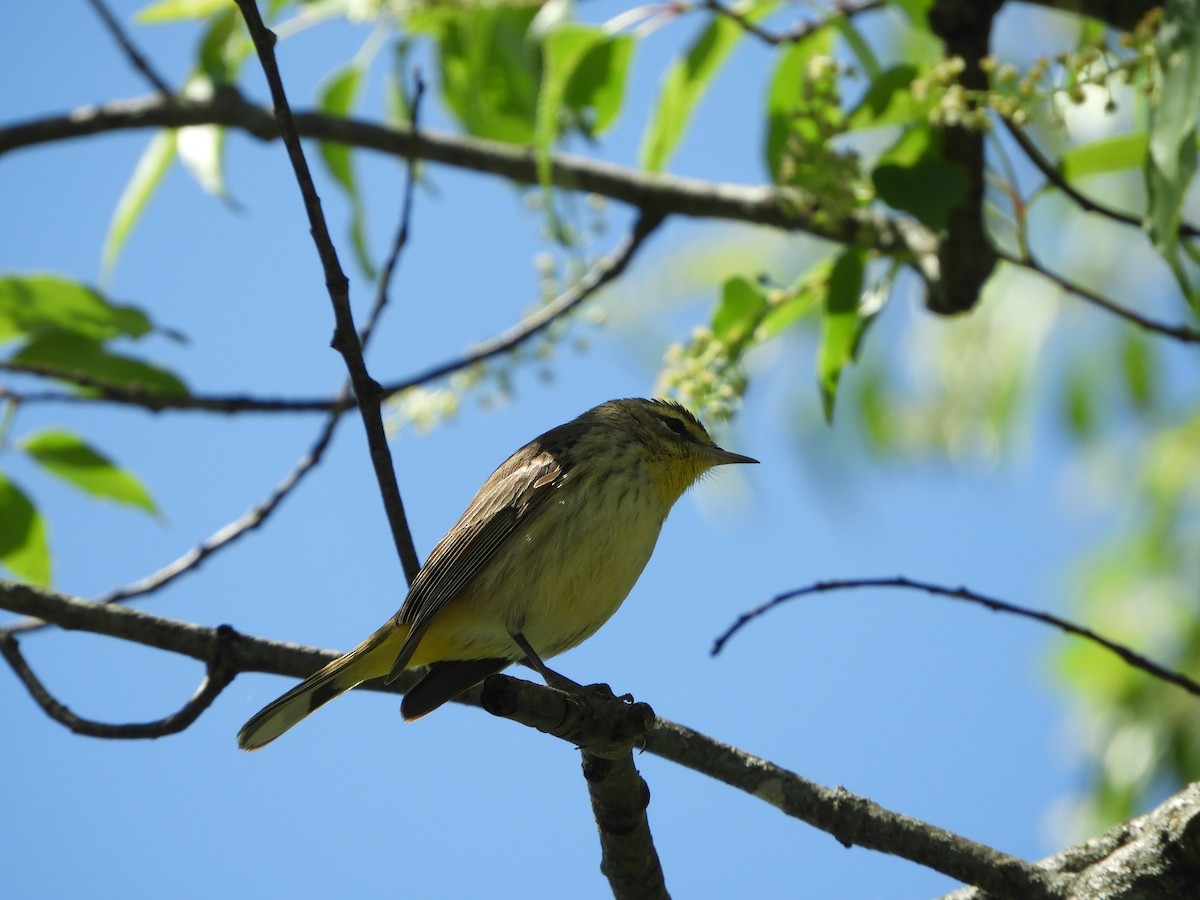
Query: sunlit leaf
x=784, y=91
x=146, y=177
x=73, y=355
x=490, y=69
x=688, y=79
x=35, y=304
x=1138, y=367
x=917, y=11
x=1171, y=156
x=72, y=459
x=913, y=176
x=805, y=296
x=337, y=98
x=863, y=54
x=841, y=324
x=889, y=100
x=595, y=90
x=1109, y=154
x=179, y=10
x=738, y=314
x=24, y=550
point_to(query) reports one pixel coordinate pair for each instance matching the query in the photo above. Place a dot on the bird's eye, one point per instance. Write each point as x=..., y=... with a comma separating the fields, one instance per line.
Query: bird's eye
x=675, y=425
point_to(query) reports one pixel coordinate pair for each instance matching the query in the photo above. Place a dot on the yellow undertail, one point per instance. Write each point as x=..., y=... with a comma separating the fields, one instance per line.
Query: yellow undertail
x=372, y=658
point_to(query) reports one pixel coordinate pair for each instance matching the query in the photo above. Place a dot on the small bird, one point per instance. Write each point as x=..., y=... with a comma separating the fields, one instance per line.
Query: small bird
x=545, y=553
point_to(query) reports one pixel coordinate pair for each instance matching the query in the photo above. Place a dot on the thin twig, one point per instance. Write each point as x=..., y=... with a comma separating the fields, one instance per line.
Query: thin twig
x=217, y=677
x=1136, y=660
x=1179, y=332
x=131, y=51
x=799, y=31
x=345, y=337
x=1084, y=202
x=604, y=271
x=258, y=514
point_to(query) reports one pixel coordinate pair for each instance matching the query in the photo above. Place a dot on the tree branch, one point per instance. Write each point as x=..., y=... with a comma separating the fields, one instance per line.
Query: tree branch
x=1155, y=855
x=1084, y=202
x=345, y=335
x=217, y=677
x=965, y=253
x=790, y=209
x=1178, y=332
x=601, y=727
x=1135, y=660
x=135, y=57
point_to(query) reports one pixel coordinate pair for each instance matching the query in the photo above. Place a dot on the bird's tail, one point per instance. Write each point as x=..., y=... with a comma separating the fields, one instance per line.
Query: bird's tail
x=370, y=659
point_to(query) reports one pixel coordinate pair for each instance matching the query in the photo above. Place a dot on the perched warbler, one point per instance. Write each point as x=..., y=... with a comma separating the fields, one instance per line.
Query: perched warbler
x=545, y=553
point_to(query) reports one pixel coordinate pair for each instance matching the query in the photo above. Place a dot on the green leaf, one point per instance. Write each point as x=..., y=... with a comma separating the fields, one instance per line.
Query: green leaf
x=805, y=295
x=490, y=69
x=224, y=47
x=867, y=60
x=914, y=177
x=38, y=304
x=595, y=91
x=739, y=313
x=146, y=177
x=1171, y=156
x=1138, y=366
x=71, y=354
x=888, y=101
x=337, y=98
x=178, y=10
x=841, y=324
x=917, y=11
x=688, y=78
x=784, y=92
x=23, y=547
x=69, y=457
x=1110, y=154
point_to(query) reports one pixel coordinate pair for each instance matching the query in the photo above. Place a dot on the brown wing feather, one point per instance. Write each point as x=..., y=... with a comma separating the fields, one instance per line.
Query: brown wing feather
x=515, y=493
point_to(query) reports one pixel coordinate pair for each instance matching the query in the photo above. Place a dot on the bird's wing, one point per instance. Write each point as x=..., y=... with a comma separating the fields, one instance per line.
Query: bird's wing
x=516, y=492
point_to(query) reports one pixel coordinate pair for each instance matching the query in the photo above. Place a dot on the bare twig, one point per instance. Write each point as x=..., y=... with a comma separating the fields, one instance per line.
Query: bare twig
x=604, y=271
x=217, y=677
x=1178, y=332
x=799, y=31
x=1084, y=202
x=1131, y=658
x=258, y=514
x=345, y=336
x=130, y=50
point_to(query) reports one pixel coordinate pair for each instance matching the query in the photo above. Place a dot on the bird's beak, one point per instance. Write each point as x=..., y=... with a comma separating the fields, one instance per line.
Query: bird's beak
x=724, y=457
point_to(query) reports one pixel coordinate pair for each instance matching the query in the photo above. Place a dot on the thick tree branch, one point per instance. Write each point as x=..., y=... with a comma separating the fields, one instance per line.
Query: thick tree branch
x=784, y=208
x=606, y=726
x=1154, y=856
x=965, y=252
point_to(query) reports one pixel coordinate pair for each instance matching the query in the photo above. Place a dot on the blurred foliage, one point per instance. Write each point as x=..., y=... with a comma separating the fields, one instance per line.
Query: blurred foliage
x=852, y=115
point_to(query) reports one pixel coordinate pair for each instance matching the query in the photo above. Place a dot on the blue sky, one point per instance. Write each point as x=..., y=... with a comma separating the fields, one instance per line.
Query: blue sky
x=931, y=709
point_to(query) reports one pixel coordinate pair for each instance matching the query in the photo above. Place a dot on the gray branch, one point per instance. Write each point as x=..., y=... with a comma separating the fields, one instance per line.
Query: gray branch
x=790, y=209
